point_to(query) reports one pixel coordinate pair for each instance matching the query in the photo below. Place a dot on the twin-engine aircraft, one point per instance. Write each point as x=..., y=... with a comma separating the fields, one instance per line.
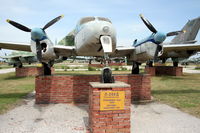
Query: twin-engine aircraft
x=96, y=36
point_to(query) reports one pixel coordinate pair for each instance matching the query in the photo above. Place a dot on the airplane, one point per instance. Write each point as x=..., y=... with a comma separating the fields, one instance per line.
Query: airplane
x=18, y=58
x=96, y=36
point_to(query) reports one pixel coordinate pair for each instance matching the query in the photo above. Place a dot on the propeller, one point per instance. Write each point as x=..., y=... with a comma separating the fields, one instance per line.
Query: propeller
x=39, y=51
x=52, y=22
x=175, y=33
x=153, y=29
x=148, y=24
x=19, y=26
x=158, y=49
x=26, y=29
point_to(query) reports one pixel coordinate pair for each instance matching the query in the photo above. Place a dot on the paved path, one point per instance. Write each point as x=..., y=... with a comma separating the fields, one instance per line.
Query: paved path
x=2, y=71
x=64, y=118
x=190, y=70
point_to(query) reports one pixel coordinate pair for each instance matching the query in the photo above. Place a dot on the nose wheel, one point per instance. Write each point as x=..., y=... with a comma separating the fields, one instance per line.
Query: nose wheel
x=106, y=75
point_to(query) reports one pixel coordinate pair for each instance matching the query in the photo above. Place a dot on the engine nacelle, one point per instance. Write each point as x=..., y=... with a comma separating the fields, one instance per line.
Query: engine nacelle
x=48, y=53
x=145, y=52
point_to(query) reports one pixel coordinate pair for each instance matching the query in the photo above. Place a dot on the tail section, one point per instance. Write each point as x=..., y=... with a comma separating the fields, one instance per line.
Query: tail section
x=191, y=30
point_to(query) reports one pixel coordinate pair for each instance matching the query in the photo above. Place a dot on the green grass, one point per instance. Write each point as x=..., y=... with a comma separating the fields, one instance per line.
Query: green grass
x=180, y=92
x=13, y=89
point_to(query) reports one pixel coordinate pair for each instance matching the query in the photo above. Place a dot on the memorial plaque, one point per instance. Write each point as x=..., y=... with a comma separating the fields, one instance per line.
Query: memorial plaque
x=112, y=100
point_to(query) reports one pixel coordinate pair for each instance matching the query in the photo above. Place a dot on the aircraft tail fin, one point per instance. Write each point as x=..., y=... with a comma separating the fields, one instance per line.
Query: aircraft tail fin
x=191, y=29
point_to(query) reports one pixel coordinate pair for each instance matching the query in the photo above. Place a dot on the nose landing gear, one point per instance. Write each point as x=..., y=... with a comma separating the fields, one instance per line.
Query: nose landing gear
x=106, y=76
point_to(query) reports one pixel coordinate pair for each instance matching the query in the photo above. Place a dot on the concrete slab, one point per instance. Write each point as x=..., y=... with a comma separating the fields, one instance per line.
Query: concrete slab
x=65, y=118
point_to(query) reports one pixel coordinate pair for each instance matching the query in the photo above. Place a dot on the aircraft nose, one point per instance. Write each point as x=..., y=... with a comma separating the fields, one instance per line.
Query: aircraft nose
x=37, y=34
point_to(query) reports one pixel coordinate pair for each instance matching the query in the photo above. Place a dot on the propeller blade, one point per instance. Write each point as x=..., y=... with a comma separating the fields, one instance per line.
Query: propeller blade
x=19, y=26
x=175, y=33
x=52, y=22
x=158, y=49
x=39, y=51
x=148, y=24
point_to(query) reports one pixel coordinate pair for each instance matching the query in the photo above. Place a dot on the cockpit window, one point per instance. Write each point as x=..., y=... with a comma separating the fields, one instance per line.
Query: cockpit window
x=104, y=19
x=86, y=19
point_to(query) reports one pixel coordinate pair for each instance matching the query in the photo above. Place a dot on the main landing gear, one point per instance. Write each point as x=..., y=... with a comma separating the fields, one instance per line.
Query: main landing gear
x=175, y=62
x=46, y=68
x=135, y=67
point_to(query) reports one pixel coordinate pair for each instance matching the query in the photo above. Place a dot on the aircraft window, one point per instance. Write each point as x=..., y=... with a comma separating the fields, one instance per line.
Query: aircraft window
x=87, y=19
x=104, y=19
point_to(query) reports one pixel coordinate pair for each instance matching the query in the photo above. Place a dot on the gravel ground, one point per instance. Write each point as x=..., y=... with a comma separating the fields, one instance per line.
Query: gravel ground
x=66, y=118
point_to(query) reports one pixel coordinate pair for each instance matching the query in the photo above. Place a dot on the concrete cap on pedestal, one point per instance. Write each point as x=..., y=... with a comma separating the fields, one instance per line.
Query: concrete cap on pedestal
x=117, y=84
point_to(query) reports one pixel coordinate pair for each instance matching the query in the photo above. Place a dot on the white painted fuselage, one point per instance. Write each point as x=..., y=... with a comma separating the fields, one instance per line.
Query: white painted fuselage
x=87, y=37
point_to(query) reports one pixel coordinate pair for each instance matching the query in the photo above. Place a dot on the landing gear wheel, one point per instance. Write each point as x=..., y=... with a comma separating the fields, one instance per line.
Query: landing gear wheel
x=175, y=64
x=135, y=68
x=107, y=75
x=20, y=65
x=149, y=63
x=46, y=68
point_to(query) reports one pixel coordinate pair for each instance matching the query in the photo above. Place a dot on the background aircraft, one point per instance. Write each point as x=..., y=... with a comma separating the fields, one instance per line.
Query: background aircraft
x=96, y=36
x=18, y=58
x=182, y=46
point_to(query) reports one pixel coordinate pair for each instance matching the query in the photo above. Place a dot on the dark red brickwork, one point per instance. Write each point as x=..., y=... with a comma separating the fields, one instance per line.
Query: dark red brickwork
x=111, y=121
x=110, y=64
x=75, y=88
x=150, y=70
x=164, y=70
x=30, y=71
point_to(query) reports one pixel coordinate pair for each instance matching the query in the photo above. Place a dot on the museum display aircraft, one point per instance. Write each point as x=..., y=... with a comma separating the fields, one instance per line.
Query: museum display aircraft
x=96, y=36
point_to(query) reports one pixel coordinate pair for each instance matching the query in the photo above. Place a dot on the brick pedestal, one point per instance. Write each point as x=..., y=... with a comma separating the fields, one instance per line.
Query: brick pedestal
x=150, y=70
x=75, y=88
x=164, y=70
x=109, y=119
x=30, y=71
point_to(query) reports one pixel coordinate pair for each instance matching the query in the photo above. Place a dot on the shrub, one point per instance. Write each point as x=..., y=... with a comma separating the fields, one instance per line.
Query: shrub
x=91, y=68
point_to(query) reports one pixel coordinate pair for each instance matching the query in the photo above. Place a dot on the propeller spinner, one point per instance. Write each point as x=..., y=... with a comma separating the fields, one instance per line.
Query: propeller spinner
x=34, y=34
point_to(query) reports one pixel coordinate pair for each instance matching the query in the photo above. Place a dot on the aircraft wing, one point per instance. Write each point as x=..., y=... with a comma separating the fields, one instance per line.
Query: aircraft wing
x=168, y=49
x=123, y=51
x=16, y=46
x=65, y=51
x=9, y=57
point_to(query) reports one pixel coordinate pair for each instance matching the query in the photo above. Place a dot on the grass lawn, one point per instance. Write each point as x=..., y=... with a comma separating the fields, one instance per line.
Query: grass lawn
x=181, y=92
x=12, y=89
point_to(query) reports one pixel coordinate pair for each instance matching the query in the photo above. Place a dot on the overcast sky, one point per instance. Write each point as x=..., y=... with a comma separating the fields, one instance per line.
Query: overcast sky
x=165, y=15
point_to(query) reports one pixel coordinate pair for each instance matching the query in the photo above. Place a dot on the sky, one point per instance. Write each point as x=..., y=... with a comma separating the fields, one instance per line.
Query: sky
x=165, y=15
